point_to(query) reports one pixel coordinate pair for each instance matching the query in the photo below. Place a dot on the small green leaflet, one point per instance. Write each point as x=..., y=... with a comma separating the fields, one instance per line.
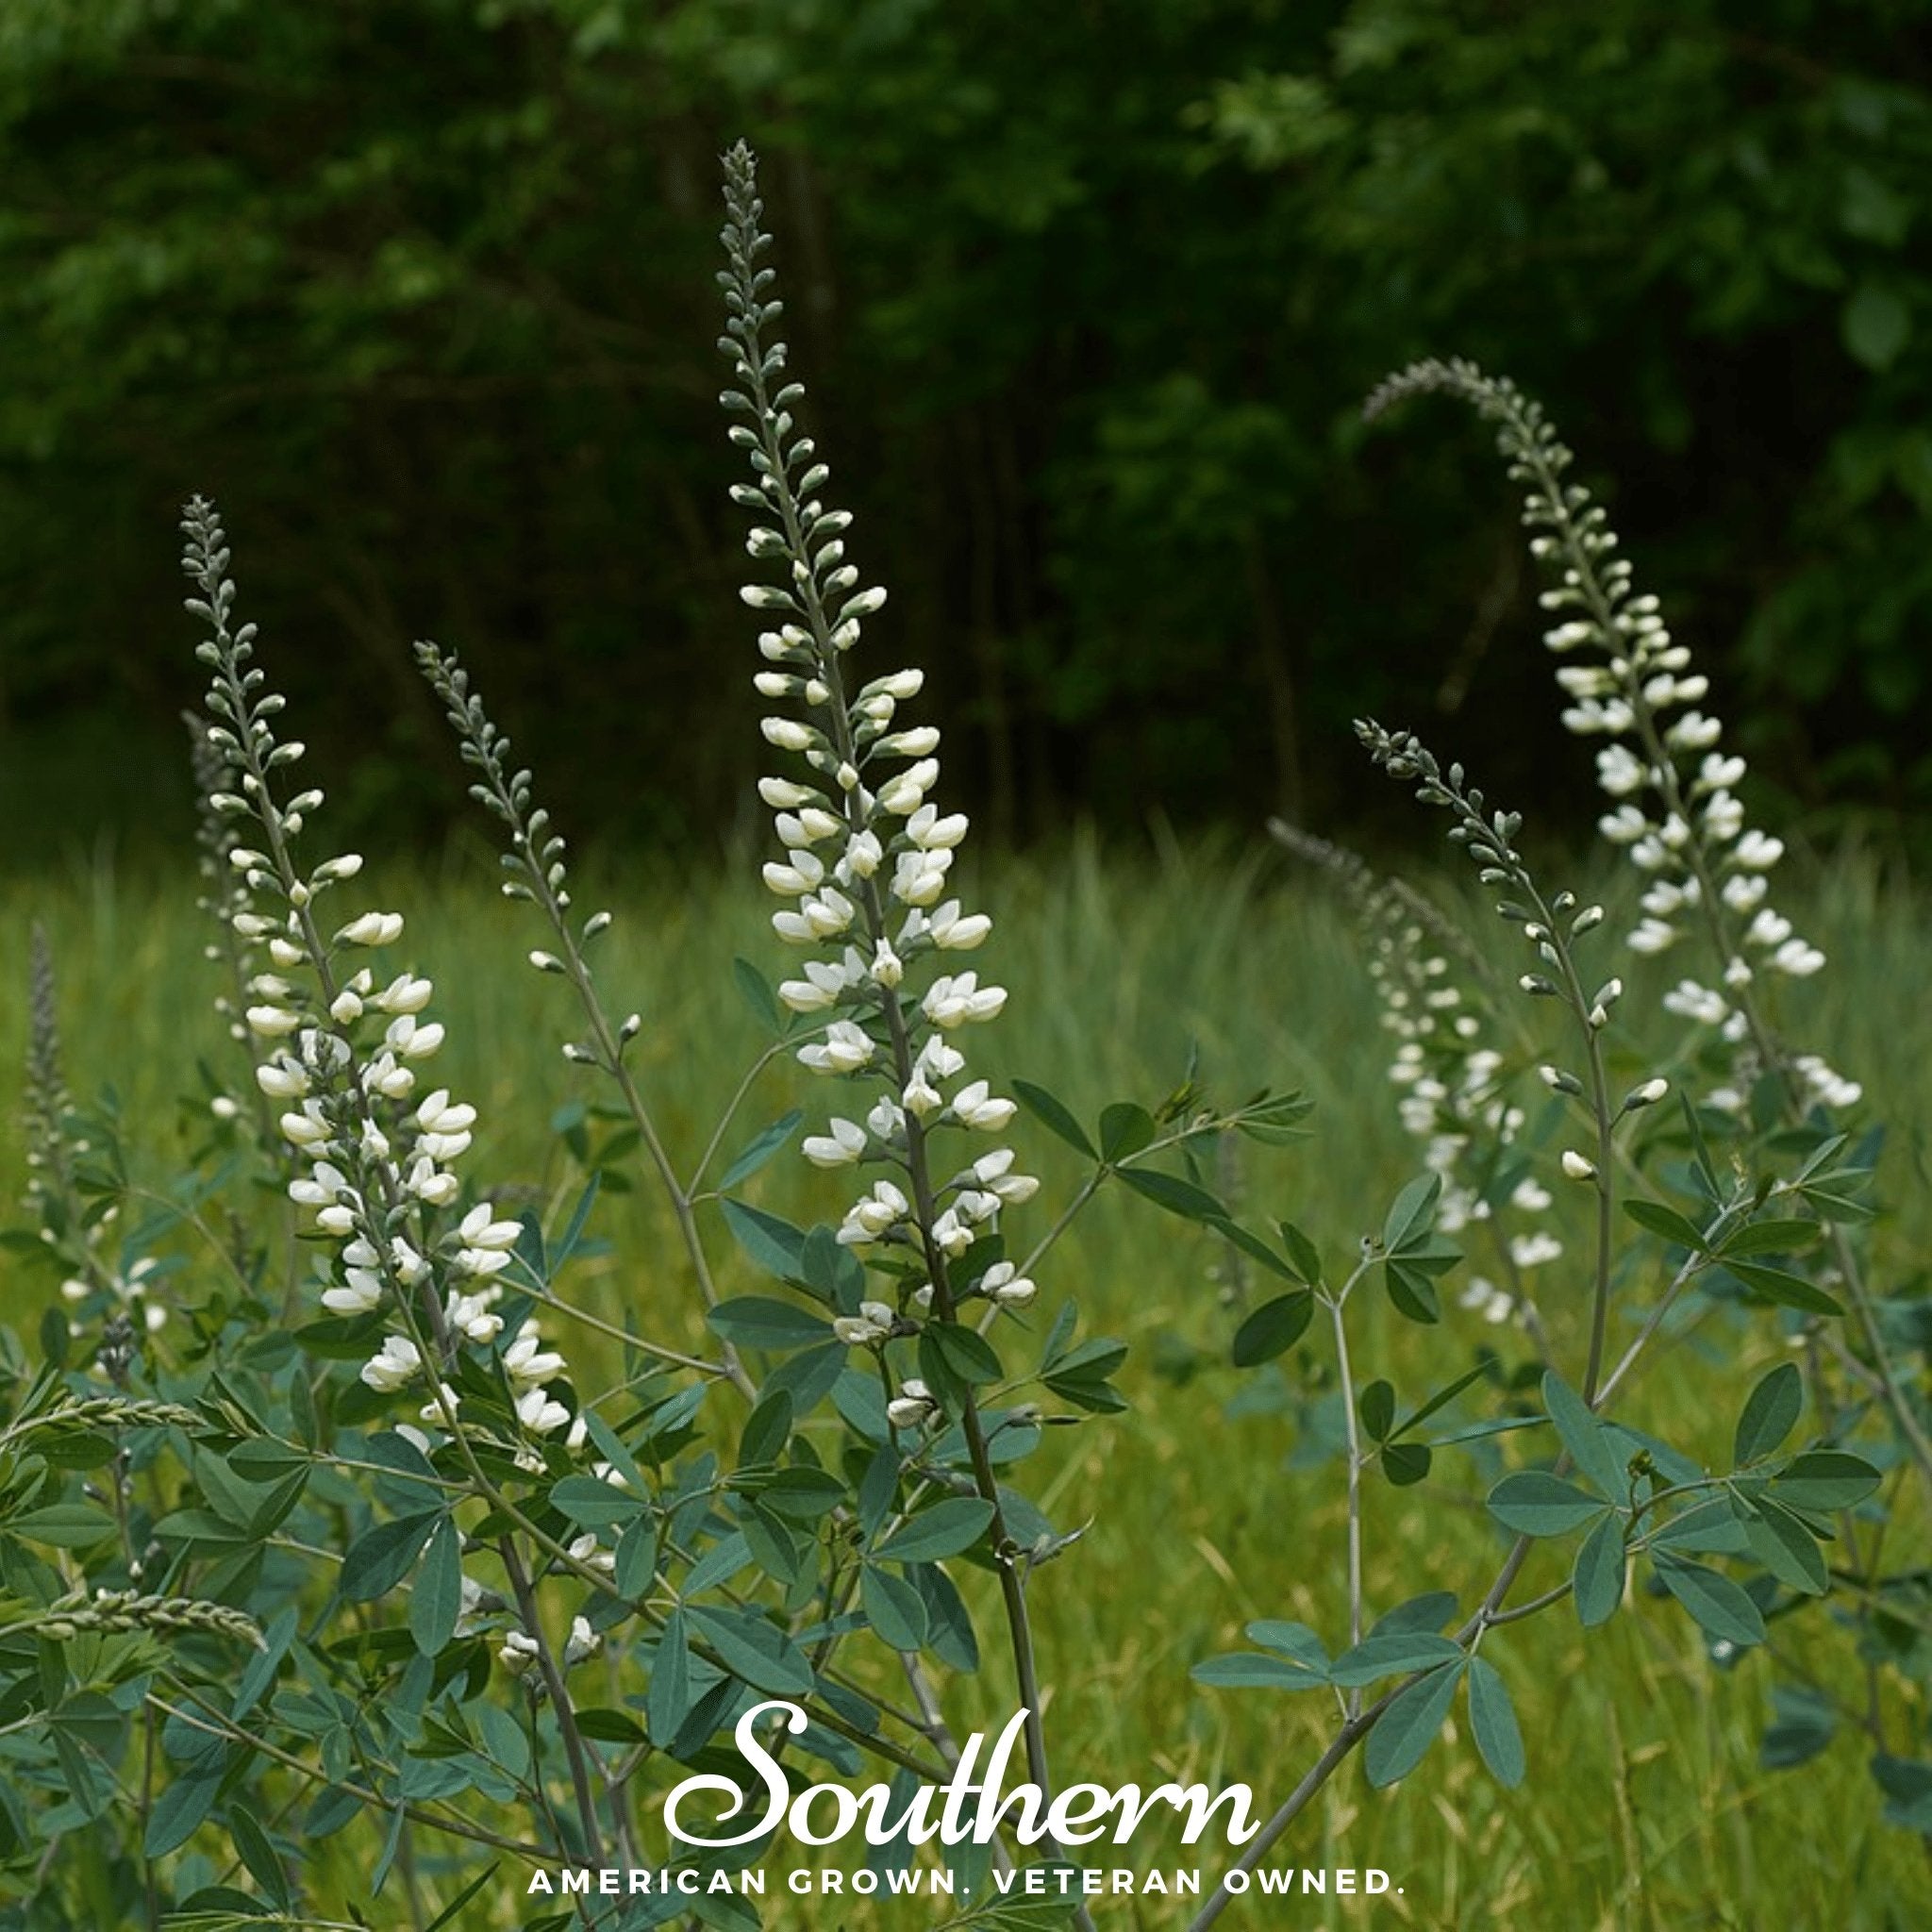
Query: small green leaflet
x=1590, y=1445
x=1597, y=1581
x=1494, y=1718
x=1406, y=1730
x=761, y=1322
x=1273, y=1328
x=1779, y=1285
x=1393, y=1654
x=1824, y=1479
x=1534, y=1503
x=1719, y=1609
x=1054, y=1115
x=1666, y=1223
x=1248, y=1669
x=1770, y=1413
x=759, y=1150
x=944, y=1530
x=435, y=1599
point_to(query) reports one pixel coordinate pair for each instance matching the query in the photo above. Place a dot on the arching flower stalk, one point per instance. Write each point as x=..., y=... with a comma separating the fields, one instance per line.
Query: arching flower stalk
x=536, y=873
x=866, y=880
x=1553, y=928
x=1674, y=805
x=341, y=1053
x=223, y=897
x=1434, y=990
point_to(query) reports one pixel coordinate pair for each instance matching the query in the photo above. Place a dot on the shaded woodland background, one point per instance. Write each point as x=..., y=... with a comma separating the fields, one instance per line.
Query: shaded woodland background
x=1087, y=294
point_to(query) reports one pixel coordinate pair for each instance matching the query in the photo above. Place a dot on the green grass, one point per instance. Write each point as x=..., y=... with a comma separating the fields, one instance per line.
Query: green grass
x=1645, y=1805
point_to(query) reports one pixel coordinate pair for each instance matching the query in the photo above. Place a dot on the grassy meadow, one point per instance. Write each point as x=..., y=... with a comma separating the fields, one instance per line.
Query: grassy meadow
x=1645, y=1805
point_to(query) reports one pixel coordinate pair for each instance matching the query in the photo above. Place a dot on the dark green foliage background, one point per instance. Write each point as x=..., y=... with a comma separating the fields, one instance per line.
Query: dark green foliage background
x=1087, y=294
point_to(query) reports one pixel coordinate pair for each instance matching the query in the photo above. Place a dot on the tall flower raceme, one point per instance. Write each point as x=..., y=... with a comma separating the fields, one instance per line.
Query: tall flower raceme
x=867, y=855
x=1673, y=791
x=1456, y=1087
x=865, y=878
x=223, y=897
x=343, y=1053
x=1554, y=929
x=537, y=875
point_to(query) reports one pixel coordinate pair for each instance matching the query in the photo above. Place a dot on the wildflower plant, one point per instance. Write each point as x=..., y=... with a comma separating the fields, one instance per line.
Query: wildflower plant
x=384, y=1518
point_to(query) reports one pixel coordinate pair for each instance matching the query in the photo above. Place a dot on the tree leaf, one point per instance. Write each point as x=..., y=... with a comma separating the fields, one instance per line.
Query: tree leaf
x=1406, y=1730
x=1770, y=1413
x=1303, y=1255
x=756, y=989
x=1412, y=1291
x=252, y=1845
x=70, y=1525
x=964, y=1351
x=1376, y=1407
x=1492, y=1718
x=1427, y=1613
x=1534, y=1503
x=181, y=1807
x=1295, y=1641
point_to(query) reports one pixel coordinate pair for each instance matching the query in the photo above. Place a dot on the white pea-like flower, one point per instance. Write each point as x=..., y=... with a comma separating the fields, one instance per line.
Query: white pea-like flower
x=583, y=1643
x=396, y=1363
x=527, y=1362
x=480, y=1229
x=912, y=1407
x=360, y=1292
x=845, y=1049
x=1796, y=959
x=1004, y=1285
x=842, y=1143
x=539, y=1412
x=1577, y=1166
x=519, y=1653
x=372, y=929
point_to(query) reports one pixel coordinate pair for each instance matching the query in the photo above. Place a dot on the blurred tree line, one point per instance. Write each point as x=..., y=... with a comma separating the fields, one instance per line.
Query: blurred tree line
x=1086, y=296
